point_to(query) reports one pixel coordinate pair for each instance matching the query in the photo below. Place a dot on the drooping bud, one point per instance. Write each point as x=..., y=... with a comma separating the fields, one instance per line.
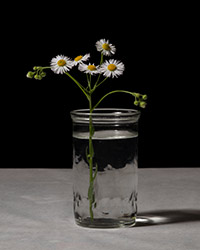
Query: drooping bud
x=38, y=77
x=144, y=97
x=30, y=74
x=143, y=104
x=43, y=74
x=136, y=103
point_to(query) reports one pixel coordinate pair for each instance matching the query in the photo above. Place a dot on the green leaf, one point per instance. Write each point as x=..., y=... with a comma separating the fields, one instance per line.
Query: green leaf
x=92, y=131
x=95, y=173
x=90, y=191
x=91, y=195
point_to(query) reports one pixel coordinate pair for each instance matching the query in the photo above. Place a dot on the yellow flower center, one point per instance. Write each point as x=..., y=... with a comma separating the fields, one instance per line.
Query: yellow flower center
x=91, y=67
x=106, y=46
x=112, y=67
x=61, y=63
x=78, y=58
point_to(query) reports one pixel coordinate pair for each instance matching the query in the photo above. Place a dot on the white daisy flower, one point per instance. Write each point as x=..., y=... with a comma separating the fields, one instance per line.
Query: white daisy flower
x=112, y=68
x=80, y=59
x=89, y=69
x=61, y=64
x=106, y=48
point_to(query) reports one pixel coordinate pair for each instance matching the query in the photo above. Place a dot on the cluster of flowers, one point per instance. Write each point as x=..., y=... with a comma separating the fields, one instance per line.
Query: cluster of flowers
x=62, y=64
x=110, y=68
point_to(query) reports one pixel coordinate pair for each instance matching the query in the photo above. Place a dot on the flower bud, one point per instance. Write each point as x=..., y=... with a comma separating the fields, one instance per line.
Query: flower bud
x=144, y=97
x=136, y=103
x=30, y=74
x=36, y=67
x=43, y=74
x=38, y=77
x=143, y=104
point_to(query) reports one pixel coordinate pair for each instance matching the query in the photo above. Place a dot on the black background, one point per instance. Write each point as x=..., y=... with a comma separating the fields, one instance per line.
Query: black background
x=158, y=47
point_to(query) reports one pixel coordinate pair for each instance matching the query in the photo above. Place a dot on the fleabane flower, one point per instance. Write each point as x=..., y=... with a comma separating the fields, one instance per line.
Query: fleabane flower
x=89, y=69
x=106, y=48
x=112, y=68
x=80, y=59
x=61, y=64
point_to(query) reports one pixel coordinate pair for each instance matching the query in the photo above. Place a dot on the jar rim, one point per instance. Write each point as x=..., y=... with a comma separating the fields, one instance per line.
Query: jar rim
x=106, y=115
x=106, y=112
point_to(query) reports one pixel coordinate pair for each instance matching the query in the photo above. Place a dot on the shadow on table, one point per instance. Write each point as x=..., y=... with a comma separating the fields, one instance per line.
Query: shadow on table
x=152, y=218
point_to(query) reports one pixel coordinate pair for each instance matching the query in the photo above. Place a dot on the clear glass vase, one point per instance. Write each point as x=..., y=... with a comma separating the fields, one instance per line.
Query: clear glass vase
x=115, y=162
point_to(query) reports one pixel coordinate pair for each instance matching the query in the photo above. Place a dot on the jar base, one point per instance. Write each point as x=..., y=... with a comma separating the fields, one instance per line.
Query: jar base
x=106, y=223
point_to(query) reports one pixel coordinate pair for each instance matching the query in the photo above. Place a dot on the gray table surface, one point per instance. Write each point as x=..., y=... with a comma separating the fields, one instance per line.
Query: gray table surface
x=36, y=212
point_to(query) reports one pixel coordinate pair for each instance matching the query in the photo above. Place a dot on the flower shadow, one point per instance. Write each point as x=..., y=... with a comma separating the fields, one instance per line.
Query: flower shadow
x=161, y=217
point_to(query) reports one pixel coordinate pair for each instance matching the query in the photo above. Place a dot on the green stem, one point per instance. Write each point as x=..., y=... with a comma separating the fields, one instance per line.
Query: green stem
x=101, y=61
x=79, y=85
x=98, y=84
x=113, y=92
x=45, y=67
x=91, y=154
x=88, y=93
x=88, y=81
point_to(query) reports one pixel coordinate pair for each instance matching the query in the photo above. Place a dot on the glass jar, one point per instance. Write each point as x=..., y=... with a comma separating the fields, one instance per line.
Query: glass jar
x=111, y=200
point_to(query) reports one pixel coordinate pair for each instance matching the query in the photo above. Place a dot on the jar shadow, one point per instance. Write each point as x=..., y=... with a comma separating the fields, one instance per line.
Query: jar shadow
x=161, y=217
